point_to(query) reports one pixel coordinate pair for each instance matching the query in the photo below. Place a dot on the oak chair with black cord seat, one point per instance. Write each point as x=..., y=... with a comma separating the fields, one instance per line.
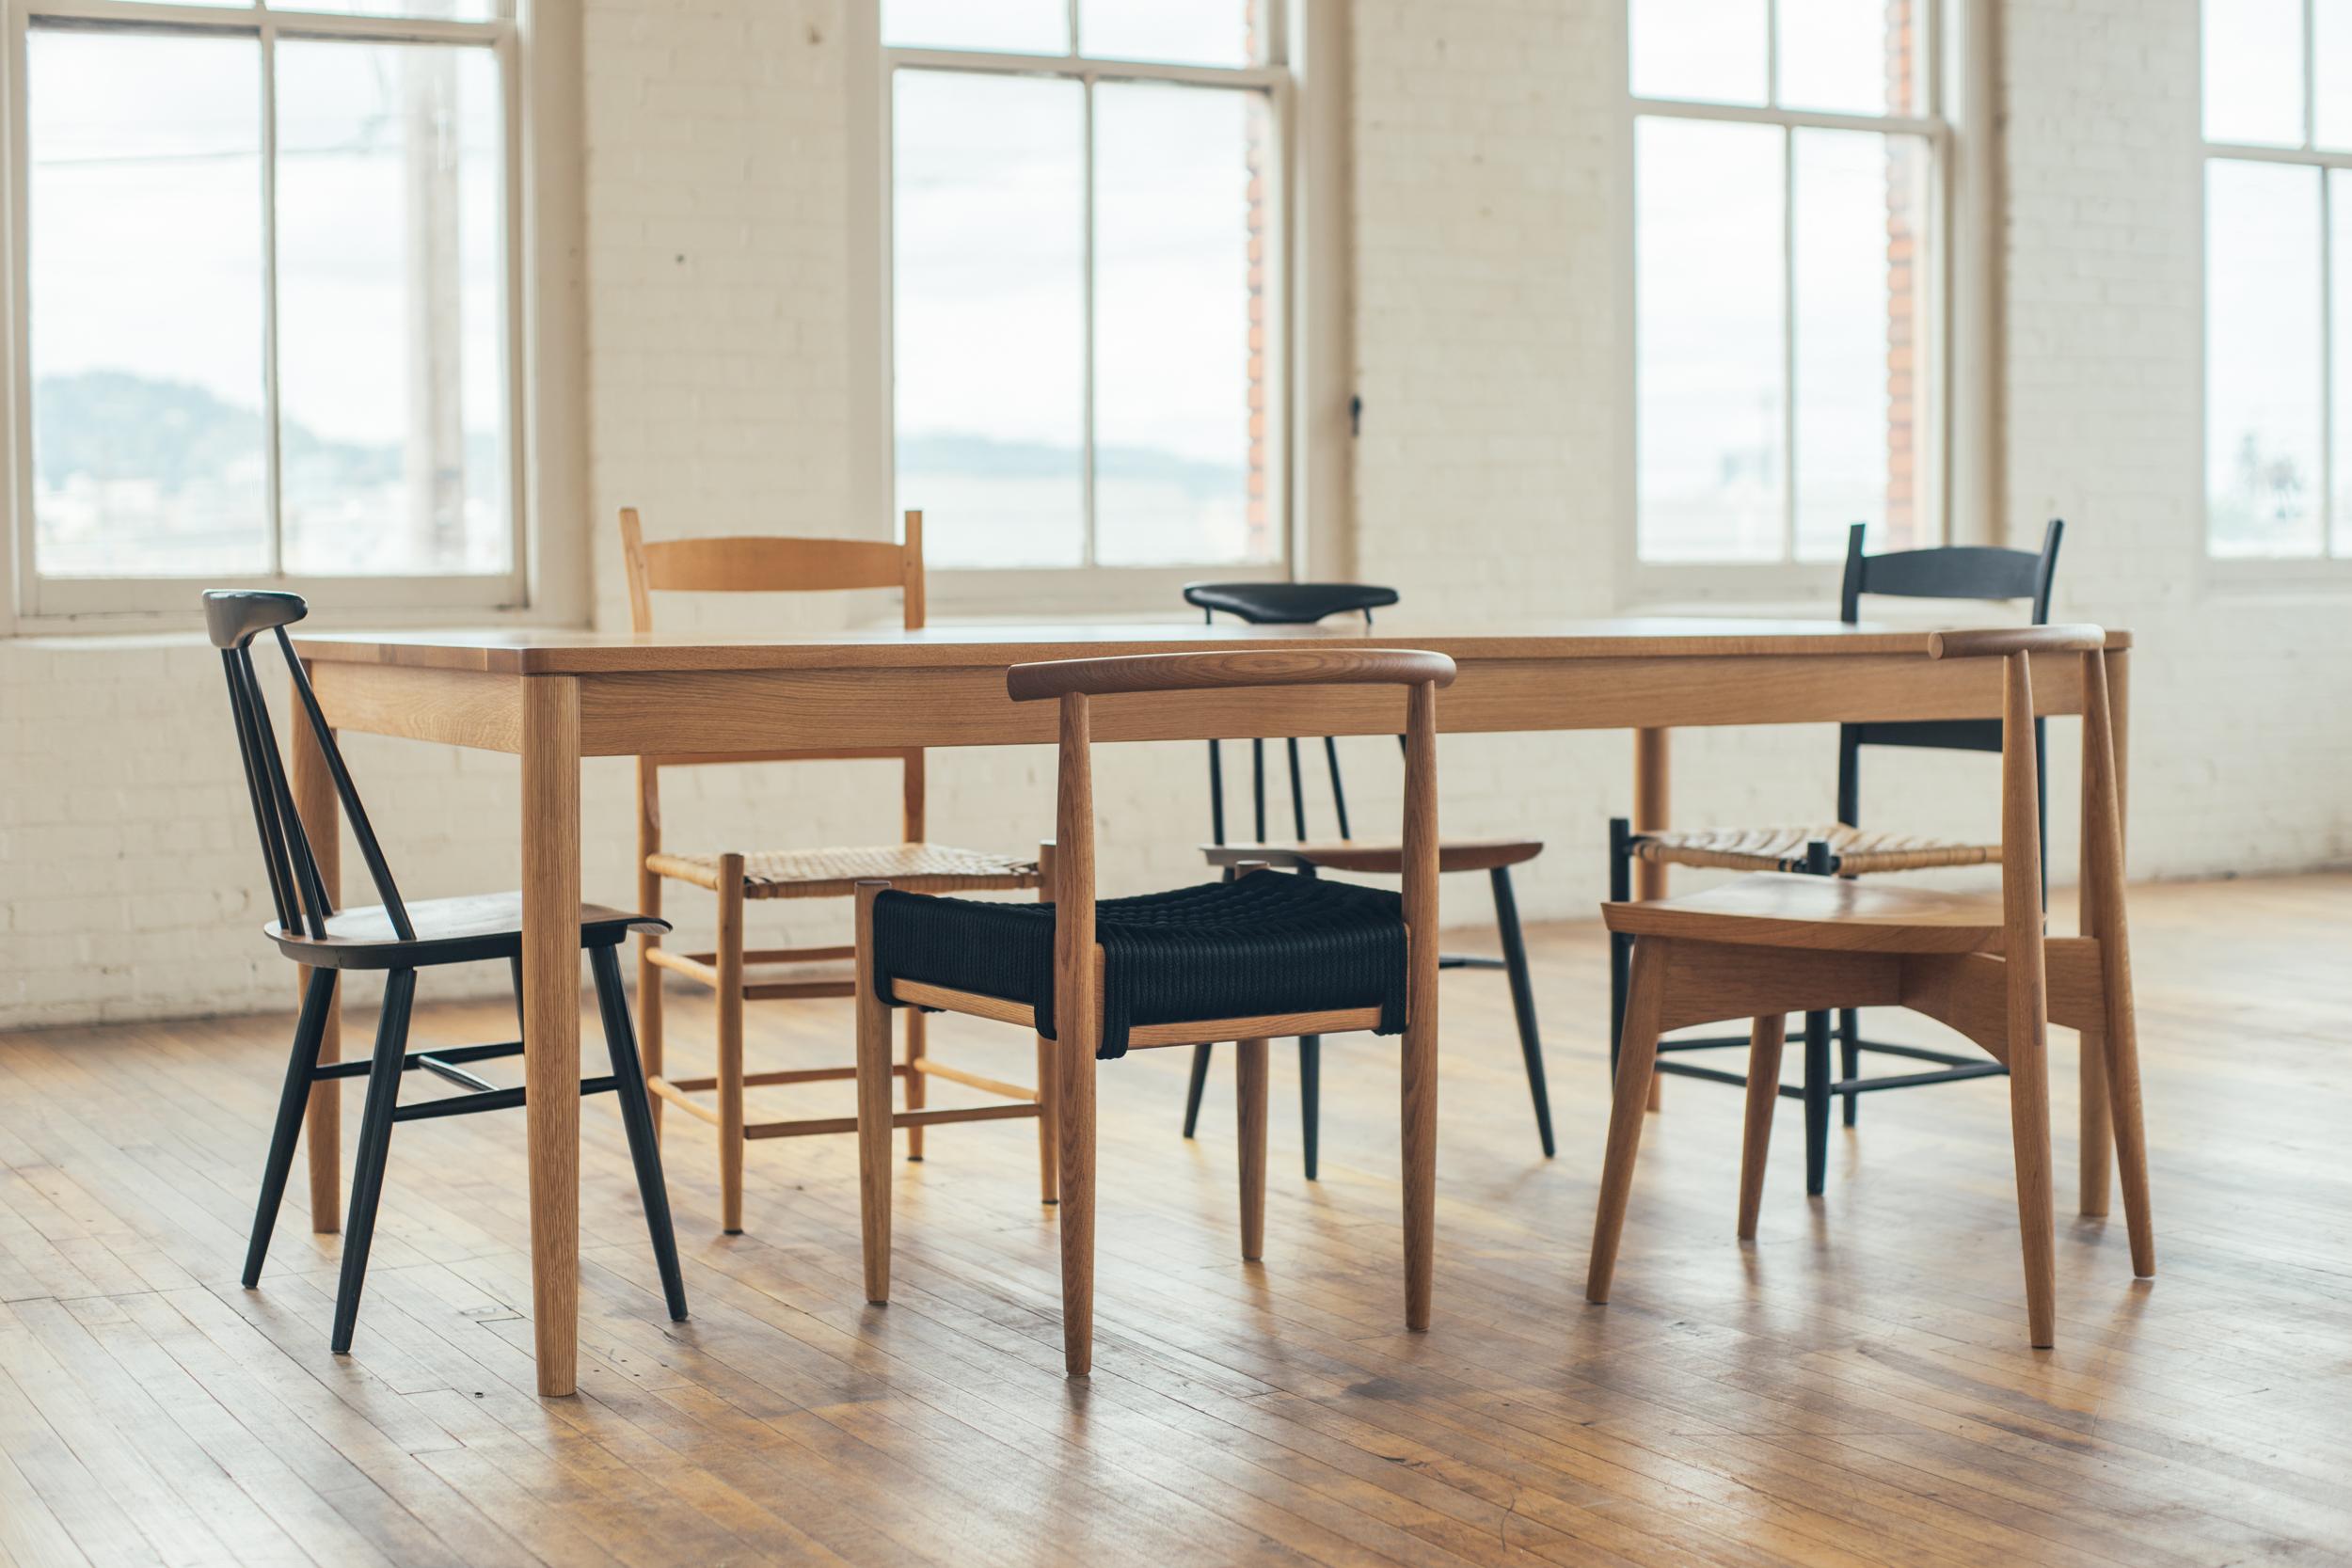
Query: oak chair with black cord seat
x=1844, y=849
x=399, y=938
x=780, y=564
x=1263, y=954
x=1769, y=943
x=1291, y=604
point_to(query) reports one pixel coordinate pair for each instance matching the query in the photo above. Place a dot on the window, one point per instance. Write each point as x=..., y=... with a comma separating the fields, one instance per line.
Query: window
x=266, y=300
x=1086, y=291
x=2278, y=127
x=1787, y=173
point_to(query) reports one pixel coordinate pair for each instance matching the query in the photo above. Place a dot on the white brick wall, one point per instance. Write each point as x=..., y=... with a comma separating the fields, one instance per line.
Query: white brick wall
x=1487, y=195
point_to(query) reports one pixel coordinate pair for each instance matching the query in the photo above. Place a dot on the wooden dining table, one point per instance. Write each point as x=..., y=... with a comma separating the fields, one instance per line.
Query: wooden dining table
x=553, y=697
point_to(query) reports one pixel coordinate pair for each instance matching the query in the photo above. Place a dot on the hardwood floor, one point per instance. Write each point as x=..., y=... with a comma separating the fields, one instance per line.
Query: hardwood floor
x=1854, y=1388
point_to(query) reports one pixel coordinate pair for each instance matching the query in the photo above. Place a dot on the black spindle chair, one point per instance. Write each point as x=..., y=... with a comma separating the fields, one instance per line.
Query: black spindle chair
x=1843, y=849
x=400, y=938
x=1303, y=604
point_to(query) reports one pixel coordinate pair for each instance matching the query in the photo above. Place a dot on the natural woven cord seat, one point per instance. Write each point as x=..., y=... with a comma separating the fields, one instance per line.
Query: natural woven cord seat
x=836, y=872
x=1854, y=851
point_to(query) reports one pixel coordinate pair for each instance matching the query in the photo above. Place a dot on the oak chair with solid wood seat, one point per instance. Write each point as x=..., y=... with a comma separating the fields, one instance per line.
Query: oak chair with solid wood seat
x=1290, y=604
x=1262, y=954
x=1770, y=943
x=399, y=937
x=1842, y=849
x=782, y=565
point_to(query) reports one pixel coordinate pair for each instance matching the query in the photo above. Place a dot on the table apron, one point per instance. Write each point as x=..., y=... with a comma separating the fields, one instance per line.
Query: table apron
x=747, y=710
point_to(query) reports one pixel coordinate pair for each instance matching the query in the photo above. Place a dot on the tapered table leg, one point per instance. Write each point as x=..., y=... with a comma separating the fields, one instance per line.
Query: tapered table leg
x=2096, y=1129
x=550, y=845
x=322, y=822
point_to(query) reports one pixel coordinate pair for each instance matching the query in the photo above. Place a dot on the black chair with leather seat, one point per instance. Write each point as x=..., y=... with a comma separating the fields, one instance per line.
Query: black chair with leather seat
x=1843, y=847
x=1294, y=604
x=399, y=938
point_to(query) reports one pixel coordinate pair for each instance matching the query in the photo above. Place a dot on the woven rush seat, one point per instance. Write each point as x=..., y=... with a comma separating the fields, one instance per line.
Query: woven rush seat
x=836, y=872
x=1854, y=851
x=1261, y=944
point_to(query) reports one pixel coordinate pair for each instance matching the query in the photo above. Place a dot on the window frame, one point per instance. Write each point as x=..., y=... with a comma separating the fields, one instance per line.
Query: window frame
x=1092, y=588
x=43, y=602
x=2331, y=568
x=1945, y=53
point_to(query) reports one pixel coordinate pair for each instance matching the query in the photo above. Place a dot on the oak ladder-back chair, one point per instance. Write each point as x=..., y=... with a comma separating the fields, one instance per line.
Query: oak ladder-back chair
x=1291, y=604
x=1261, y=954
x=781, y=564
x=400, y=938
x=1844, y=849
x=1770, y=943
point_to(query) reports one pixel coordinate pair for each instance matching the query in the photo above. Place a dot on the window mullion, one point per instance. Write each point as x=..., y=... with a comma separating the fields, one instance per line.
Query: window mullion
x=1088, y=291
x=274, y=467
x=1788, y=343
x=2327, y=366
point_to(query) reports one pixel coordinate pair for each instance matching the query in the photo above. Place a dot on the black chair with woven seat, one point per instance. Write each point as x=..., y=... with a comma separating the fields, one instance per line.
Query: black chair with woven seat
x=1843, y=847
x=399, y=938
x=1262, y=954
x=1288, y=604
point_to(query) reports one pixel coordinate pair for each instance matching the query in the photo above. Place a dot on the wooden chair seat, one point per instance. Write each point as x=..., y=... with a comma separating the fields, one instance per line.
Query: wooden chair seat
x=449, y=931
x=1853, y=851
x=836, y=872
x=1826, y=914
x=1378, y=857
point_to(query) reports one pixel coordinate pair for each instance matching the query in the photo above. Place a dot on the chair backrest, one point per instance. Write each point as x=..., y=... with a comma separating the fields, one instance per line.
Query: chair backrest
x=762, y=564
x=1074, y=683
x=1282, y=604
x=1980, y=572
x=233, y=618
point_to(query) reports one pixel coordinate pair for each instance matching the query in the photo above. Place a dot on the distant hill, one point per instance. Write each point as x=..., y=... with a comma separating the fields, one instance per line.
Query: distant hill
x=110, y=424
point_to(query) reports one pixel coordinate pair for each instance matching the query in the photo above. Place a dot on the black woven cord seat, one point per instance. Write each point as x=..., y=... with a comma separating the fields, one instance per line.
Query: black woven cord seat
x=1270, y=942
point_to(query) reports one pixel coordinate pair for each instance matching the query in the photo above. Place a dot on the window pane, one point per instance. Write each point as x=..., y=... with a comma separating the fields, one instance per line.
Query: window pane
x=1180, y=390
x=1698, y=49
x=2332, y=60
x=2254, y=71
x=145, y=288
x=1853, y=55
x=2340, y=249
x=1709, y=372
x=989, y=227
x=443, y=10
x=1184, y=32
x=1014, y=26
x=1860, y=199
x=2263, y=355
x=390, y=285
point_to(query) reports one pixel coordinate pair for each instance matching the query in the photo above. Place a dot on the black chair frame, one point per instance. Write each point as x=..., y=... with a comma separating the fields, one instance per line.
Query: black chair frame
x=1950, y=572
x=305, y=932
x=1303, y=604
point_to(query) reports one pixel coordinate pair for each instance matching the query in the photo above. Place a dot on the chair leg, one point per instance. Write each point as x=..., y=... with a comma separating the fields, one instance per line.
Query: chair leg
x=917, y=1091
x=1249, y=1082
x=1644, y=997
x=2029, y=1134
x=1815, y=1103
x=375, y=1136
x=1074, y=1050
x=873, y=1106
x=1311, y=1100
x=1850, y=1057
x=1765, y=1038
x=730, y=1055
x=1522, y=1000
x=1048, y=1123
x=1198, y=1086
x=644, y=1148
x=649, y=1020
x=318, y=999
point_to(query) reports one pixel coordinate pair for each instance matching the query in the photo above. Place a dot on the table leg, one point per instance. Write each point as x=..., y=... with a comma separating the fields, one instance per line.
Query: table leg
x=313, y=789
x=551, y=847
x=1653, y=784
x=2096, y=1129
